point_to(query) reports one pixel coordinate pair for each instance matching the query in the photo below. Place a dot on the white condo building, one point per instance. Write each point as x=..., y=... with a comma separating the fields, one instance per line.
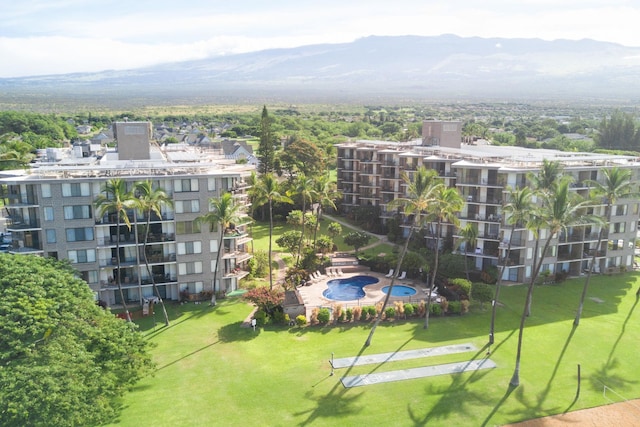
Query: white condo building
x=51, y=212
x=369, y=173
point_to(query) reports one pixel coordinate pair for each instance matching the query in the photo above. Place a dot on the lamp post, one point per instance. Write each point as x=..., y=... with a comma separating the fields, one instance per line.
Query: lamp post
x=331, y=364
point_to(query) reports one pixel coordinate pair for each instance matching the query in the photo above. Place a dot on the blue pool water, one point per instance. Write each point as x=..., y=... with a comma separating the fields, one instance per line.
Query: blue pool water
x=400, y=291
x=348, y=289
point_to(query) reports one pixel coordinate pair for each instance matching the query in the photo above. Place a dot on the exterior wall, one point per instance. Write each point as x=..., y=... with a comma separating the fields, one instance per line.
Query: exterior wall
x=133, y=140
x=444, y=134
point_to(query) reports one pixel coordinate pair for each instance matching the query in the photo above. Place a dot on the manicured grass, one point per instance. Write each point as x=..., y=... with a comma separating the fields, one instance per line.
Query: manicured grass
x=260, y=233
x=213, y=372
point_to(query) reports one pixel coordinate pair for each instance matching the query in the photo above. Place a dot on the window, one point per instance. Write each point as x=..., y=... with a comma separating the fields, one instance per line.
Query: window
x=213, y=246
x=192, y=287
x=187, y=227
x=190, y=267
x=89, y=276
x=188, y=248
x=211, y=184
x=185, y=185
x=48, y=213
x=77, y=212
x=187, y=206
x=46, y=190
x=79, y=234
x=51, y=236
x=82, y=256
x=617, y=227
x=76, y=189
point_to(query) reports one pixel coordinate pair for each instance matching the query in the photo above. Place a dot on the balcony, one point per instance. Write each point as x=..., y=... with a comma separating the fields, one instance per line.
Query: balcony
x=19, y=224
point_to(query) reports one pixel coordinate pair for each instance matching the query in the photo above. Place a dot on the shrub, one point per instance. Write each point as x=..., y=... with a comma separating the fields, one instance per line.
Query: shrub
x=462, y=287
x=399, y=306
x=409, y=310
x=280, y=317
x=261, y=317
x=422, y=308
x=390, y=312
x=343, y=316
x=367, y=312
x=357, y=313
x=436, y=310
x=349, y=314
x=455, y=307
x=324, y=315
x=301, y=320
x=314, y=315
x=481, y=292
x=444, y=304
x=465, y=306
x=337, y=311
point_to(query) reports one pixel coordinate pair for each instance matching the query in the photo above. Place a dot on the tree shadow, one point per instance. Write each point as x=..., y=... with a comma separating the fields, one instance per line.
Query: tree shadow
x=603, y=376
x=236, y=332
x=187, y=355
x=335, y=404
x=504, y=398
x=456, y=392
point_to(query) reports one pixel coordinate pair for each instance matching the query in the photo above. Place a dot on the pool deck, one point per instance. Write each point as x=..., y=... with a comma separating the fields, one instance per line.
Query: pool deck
x=312, y=295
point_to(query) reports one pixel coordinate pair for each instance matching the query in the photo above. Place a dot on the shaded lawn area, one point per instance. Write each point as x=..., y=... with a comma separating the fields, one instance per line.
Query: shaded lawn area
x=213, y=372
x=260, y=234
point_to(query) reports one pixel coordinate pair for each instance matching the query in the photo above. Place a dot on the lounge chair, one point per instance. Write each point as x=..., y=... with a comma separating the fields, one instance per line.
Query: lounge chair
x=330, y=272
x=340, y=273
x=319, y=275
x=390, y=273
x=403, y=275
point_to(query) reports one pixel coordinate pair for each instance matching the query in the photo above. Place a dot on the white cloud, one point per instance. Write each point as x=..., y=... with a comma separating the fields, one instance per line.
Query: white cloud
x=62, y=36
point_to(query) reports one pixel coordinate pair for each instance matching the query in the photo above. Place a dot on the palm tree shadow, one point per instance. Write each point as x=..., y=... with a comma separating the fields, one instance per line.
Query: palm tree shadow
x=456, y=390
x=333, y=404
x=504, y=398
x=187, y=355
x=613, y=381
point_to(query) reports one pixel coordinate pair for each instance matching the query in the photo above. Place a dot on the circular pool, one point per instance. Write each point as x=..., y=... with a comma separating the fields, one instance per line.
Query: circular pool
x=348, y=289
x=400, y=290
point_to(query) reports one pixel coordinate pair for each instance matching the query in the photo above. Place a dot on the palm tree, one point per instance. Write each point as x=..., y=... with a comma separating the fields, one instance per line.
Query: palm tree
x=448, y=202
x=559, y=210
x=115, y=198
x=420, y=195
x=617, y=184
x=326, y=193
x=303, y=187
x=267, y=190
x=517, y=211
x=544, y=182
x=222, y=212
x=150, y=200
x=468, y=236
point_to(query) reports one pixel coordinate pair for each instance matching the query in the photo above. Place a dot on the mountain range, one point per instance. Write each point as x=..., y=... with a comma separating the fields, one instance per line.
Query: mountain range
x=375, y=67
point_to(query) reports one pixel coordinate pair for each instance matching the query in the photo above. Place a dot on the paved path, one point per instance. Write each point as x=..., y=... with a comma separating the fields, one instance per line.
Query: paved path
x=409, y=374
x=401, y=355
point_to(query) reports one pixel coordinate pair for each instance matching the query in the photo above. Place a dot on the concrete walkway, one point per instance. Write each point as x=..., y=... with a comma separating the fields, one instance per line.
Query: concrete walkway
x=409, y=374
x=401, y=355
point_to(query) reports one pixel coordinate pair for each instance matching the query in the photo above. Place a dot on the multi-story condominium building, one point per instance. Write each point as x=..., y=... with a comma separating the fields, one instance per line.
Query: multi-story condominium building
x=370, y=174
x=51, y=212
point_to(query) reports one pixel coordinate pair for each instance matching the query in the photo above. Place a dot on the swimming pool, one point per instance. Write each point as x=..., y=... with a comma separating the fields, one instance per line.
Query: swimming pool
x=348, y=289
x=400, y=290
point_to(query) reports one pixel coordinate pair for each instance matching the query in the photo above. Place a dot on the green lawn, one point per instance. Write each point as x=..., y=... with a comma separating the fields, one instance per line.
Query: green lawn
x=210, y=371
x=260, y=234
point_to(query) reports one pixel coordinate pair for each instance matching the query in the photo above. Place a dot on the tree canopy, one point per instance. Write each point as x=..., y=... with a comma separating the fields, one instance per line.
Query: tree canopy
x=64, y=361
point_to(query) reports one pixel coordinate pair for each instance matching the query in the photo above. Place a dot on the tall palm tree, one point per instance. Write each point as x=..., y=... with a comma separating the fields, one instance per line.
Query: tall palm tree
x=448, y=202
x=115, y=198
x=559, y=210
x=421, y=192
x=468, y=237
x=517, y=211
x=267, y=190
x=303, y=187
x=150, y=200
x=326, y=193
x=544, y=182
x=617, y=184
x=222, y=212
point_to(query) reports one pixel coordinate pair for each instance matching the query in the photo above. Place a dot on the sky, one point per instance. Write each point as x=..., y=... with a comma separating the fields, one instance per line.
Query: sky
x=41, y=37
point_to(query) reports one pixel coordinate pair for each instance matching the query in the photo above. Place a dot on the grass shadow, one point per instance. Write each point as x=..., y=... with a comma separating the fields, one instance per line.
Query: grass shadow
x=166, y=365
x=236, y=332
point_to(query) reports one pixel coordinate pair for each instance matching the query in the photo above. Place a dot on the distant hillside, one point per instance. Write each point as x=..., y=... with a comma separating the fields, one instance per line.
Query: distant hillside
x=374, y=67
